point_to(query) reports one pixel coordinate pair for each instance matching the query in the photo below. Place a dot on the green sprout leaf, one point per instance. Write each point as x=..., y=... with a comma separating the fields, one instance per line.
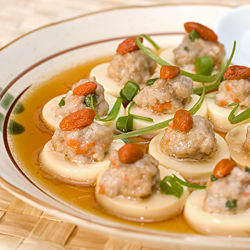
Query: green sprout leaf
x=171, y=187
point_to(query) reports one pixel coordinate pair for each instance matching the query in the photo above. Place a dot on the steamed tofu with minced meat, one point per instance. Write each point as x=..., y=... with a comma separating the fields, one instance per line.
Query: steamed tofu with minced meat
x=130, y=187
x=224, y=207
x=235, y=89
x=128, y=64
x=189, y=146
x=79, y=149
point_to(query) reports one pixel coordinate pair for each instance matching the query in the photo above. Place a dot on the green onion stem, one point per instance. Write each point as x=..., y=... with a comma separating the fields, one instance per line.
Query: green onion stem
x=113, y=112
x=239, y=118
x=160, y=125
x=138, y=117
x=159, y=60
x=219, y=76
x=190, y=185
x=156, y=46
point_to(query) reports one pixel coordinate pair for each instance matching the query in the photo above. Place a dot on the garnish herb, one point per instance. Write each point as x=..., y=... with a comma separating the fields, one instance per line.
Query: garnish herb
x=219, y=76
x=159, y=60
x=204, y=65
x=132, y=141
x=129, y=91
x=247, y=169
x=87, y=100
x=62, y=102
x=170, y=186
x=160, y=125
x=151, y=81
x=233, y=119
x=186, y=48
x=231, y=204
x=138, y=117
x=113, y=112
x=124, y=123
x=193, y=35
x=213, y=178
x=187, y=184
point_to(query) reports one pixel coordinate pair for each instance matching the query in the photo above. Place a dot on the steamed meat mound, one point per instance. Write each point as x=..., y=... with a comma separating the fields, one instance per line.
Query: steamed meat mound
x=134, y=180
x=84, y=145
x=188, y=51
x=230, y=194
x=134, y=66
x=174, y=92
x=231, y=91
x=198, y=143
x=74, y=103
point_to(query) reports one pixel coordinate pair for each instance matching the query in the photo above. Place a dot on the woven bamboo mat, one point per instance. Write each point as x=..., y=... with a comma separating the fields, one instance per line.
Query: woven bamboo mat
x=23, y=227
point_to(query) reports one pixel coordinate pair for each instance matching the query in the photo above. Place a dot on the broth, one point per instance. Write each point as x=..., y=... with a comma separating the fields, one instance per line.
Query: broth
x=27, y=145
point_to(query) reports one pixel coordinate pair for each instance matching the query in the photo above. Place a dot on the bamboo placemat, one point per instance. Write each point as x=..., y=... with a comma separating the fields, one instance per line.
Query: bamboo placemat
x=23, y=227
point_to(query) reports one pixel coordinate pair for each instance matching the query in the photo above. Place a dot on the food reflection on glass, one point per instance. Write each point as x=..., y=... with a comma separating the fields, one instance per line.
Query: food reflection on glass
x=134, y=137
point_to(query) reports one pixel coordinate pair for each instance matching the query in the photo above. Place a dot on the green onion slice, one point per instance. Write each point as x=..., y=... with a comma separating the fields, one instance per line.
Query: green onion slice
x=160, y=125
x=62, y=102
x=231, y=204
x=124, y=123
x=88, y=99
x=170, y=186
x=113, y=112
x=233, y=119
x=138, y=117
x=187, y=184
x=204, y=65
x=159, y=60
x=193, y=35
x=151, y=81
x=129, y=91
x=219, y=75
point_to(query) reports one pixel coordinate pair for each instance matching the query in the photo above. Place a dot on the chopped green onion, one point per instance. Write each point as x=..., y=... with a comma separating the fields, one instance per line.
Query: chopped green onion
x=213, y=178
x=231, y=204
x=87, y=100
x=186, y=48
x=159, y=60
x=239, y=118
x=219, y=75
x=204, y=65
x=62, y=102
x=124, y=123
x=160, y=125
x=138, y=117
x=151, y=81
x=193, y=35
x=190, y=185
x=129, y=91
x=170, y=186
x=247, y=169
x=113, y=112
x=156, y=46
x=132, y=141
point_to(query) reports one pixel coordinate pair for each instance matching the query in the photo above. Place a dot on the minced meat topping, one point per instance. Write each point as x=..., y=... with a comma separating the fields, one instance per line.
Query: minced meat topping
x=198, y=143
x=135, y=180
x=84, y=145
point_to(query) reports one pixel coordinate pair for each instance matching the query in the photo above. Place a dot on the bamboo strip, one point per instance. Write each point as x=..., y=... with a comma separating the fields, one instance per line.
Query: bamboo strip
x=8, y=242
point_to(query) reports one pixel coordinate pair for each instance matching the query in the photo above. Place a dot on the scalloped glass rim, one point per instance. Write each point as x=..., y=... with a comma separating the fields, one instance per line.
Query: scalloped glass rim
x=14, y=72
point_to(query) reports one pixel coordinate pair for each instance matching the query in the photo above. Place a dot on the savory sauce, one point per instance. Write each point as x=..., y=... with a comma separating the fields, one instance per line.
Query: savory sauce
x=27, y=145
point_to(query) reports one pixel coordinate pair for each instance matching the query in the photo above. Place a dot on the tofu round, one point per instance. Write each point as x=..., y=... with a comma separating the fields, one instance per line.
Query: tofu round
x=137, y=124
x=195, y=171
x=157, y=207
x=52, y=121
x=219, y=115
x=235, y=139
x=100, y=72
x=212, y=223
x=56, y=164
